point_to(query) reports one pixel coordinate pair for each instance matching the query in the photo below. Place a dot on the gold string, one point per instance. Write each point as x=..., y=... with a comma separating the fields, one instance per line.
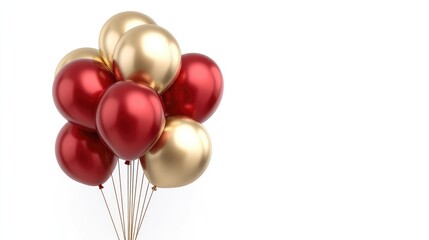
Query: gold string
x=117, y=204
x=110, y=214
x=144, y=214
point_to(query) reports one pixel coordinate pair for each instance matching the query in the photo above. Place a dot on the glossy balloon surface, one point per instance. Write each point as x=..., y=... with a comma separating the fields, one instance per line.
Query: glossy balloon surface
x=130, y=118
x=82, y=155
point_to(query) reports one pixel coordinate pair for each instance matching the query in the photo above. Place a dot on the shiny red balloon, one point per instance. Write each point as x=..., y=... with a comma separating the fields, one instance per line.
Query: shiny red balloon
x=130, y=119
x=197, y=91
x=83, y=156
x=78, y=88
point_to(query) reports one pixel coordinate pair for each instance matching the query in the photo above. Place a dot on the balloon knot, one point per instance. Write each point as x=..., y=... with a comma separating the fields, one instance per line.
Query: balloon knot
x=100, y=187
x=127, y=162
x=154, y=188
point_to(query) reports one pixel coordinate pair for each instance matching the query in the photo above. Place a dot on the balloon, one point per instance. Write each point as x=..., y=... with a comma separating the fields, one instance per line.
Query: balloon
x=77, y=89
x=130, y=119
x=197, y=91
x=147, y=54
x=180, y=156
x=83, y=157
x=81, y=53
x=113, y=30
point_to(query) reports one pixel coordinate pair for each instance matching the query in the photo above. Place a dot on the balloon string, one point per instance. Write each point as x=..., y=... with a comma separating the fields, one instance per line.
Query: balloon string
x=117, y=204
x=138, y=201
x=128, y=200
x=122, y=200
x=136, y=209
x=110, y=214
x=132, y=197
x=135, y=195
x=144, y=214
x=143, y=205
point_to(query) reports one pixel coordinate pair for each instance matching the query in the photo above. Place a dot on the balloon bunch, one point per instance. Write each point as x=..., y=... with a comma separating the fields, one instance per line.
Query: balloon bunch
x=136, y=98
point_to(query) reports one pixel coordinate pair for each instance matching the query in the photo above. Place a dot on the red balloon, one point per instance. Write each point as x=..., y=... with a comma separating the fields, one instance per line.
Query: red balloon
x=83, y=156
x=130, y=119
x=78, y=88
x=197, y=91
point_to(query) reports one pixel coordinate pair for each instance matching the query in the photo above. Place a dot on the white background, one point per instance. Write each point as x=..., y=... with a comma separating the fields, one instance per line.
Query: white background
x=322, y=133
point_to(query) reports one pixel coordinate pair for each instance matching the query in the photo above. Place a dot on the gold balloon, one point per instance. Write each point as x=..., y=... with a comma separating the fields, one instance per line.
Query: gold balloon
x=113, y=30
x=81, y=53
x=180, y=156
x=147, y=54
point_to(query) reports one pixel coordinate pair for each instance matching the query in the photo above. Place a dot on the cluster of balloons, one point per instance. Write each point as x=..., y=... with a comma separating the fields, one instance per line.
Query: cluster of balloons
x=136, y=98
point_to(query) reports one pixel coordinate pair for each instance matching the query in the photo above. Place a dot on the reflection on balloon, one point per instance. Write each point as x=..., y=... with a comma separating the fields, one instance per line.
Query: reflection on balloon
x=113, y=30
x=130, y=119
x=197, y=91
x=80, y=53
x=147, y=54
x=78, y=88
x=82, y=155
x=180, y=156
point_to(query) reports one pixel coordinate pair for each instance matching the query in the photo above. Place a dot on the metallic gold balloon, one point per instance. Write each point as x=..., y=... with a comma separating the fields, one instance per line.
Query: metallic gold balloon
x=147, y=54
x=180, y=156
x=81, y=53
x=113, y=30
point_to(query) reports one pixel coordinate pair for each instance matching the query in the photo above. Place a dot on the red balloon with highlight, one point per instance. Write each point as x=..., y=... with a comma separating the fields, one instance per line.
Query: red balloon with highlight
x=197, y=91
x=82, y=155
x=78, y=88
x=130, y=119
